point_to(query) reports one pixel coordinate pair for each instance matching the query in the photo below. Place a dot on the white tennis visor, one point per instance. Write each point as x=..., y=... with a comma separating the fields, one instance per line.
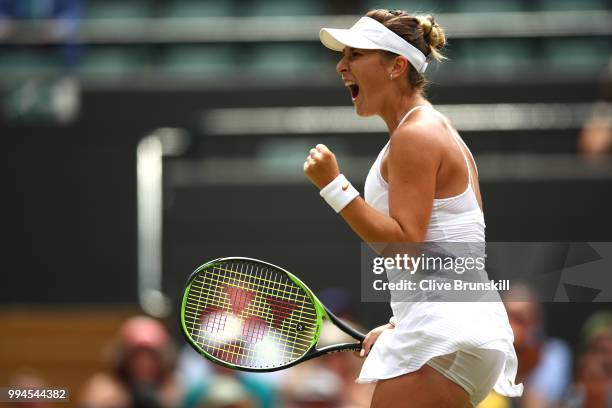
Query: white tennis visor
x=369, y=34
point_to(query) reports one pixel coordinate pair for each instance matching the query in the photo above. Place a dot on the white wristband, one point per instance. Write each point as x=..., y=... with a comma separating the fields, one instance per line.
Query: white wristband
x=339, y=193
x=393, y=321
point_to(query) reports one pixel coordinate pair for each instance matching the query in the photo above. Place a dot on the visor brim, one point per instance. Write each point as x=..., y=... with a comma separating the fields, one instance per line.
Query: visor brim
x=337, y=39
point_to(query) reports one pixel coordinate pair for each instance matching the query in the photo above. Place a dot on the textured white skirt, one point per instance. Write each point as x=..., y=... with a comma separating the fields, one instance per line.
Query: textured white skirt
x=426, y=330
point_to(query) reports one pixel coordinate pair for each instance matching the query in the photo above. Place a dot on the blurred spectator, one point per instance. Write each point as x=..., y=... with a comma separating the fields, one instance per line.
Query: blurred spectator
x=217, y=386
x=597, y=337
x=593, y=384
x=595, y=140
x=544, y=363
x=225, y=391
x=312, y=385
x=191, y=367
x=143, y=360
x=104, y=391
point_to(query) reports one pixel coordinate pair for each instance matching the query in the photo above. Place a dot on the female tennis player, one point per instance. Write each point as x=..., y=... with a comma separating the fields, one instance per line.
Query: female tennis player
x=423, y=187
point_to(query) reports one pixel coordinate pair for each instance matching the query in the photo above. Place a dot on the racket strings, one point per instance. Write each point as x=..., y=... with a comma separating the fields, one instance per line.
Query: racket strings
x=249, y=315
x=283, y=341
x=260, y=308
x=265, y=284
x=252, y=336
x=277, y=308
x=257, y=307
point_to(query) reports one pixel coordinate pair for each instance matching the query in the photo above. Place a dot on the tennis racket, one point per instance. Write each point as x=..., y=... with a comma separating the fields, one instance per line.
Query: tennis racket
x=251, y=315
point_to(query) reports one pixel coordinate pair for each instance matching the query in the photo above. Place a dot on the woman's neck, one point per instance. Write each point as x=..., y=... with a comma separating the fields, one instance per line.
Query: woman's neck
x=397, y=108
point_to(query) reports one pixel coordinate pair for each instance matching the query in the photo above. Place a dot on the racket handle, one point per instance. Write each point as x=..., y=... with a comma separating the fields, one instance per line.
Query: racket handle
x=332, y=349
x=340, y=347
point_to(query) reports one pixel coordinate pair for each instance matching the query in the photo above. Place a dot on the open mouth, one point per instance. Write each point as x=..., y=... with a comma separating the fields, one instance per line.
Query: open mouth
x=354, y=91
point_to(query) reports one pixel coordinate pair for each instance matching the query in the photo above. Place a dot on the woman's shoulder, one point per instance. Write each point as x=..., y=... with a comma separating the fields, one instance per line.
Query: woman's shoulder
x=423, y=132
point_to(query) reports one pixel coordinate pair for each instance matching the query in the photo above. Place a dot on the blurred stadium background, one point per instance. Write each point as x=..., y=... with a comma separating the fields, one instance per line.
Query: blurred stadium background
x=144, y=137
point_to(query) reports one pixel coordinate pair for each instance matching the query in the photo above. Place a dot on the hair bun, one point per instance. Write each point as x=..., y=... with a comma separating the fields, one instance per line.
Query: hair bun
x=433, y=35
x=427, y=24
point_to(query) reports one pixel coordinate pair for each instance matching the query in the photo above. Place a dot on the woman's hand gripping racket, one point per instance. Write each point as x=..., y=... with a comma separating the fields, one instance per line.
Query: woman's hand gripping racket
x=254, y=316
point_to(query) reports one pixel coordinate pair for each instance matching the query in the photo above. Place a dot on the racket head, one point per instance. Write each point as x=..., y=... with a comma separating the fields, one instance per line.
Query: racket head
x=250, y=315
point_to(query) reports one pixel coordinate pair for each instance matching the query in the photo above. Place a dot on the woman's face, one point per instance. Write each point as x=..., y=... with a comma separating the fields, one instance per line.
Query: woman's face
x=366, y=74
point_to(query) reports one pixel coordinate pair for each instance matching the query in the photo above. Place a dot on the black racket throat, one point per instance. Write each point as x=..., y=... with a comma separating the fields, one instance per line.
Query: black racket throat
x=357, y=335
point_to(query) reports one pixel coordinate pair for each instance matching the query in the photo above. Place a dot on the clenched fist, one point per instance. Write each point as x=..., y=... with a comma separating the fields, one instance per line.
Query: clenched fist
x=321, y=166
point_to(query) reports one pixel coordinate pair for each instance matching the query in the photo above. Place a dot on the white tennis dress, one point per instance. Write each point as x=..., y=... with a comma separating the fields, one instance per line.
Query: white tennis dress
x=426, y=330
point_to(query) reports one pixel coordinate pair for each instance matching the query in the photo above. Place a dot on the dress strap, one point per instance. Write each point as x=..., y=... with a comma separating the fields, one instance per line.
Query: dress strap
x=467, y=163
x=408, y=114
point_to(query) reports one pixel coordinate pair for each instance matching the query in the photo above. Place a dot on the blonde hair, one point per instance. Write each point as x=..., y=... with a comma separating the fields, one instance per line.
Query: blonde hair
x=421, y=31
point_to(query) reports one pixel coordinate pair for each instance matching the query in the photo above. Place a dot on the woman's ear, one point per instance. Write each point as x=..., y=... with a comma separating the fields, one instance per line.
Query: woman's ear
x=399, y=67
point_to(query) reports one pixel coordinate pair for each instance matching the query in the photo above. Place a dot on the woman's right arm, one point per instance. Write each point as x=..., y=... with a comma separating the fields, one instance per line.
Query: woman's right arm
x=412, y=166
